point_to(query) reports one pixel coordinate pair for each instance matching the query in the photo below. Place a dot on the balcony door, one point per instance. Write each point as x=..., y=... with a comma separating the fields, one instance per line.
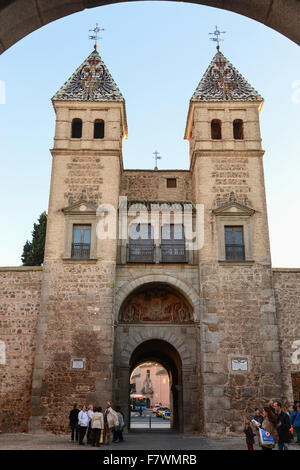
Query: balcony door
x=173, y=244
x=141, y=244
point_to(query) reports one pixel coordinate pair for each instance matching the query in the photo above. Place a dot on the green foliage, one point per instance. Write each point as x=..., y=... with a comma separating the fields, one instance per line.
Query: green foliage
x=33, y=252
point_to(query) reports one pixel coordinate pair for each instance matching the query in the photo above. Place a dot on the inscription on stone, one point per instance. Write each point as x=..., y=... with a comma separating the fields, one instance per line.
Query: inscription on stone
x=239, y=363
x=78, y=363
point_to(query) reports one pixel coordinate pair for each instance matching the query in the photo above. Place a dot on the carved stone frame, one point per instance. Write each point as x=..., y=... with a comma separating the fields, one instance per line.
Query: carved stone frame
x=242, y=221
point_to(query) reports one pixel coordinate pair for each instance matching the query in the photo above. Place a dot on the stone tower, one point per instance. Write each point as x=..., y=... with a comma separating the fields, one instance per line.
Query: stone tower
x=239, y=336
x=75, y=331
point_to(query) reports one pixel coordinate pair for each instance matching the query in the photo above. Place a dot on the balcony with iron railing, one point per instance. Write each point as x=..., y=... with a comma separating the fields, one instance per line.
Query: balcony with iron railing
x=164, y=253
x=235, y=252
x=80, y=250
x=173, y=253
x=140, y=253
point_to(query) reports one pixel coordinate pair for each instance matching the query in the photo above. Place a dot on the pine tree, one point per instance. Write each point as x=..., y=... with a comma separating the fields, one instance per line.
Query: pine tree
x=33, y=252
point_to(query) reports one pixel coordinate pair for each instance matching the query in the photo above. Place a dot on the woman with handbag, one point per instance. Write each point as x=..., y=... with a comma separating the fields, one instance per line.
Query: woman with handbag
x=268, y=425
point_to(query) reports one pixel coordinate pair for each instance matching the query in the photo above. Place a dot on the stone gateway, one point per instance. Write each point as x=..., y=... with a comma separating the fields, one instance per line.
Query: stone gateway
x=169, y=266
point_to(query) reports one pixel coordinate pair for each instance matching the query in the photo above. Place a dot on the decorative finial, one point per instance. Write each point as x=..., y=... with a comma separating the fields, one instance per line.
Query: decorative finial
x=217, y=39
x=95, y=36
x=156, y=156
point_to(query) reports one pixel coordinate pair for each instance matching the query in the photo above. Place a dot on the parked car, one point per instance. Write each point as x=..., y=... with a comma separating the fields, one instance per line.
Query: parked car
x=159, y=412
x=166, y=415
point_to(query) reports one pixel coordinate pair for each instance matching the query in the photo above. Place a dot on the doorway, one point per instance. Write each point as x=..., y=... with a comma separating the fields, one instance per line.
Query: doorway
x=160, y=358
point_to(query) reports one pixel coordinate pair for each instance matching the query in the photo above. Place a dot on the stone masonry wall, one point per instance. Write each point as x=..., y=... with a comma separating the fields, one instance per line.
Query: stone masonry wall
x=151, y=185
x=20, y=290
x=239, y=321
x=75, y=322
x=286, y=284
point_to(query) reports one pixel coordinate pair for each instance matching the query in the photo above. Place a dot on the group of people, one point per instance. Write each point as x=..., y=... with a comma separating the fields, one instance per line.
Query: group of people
x=97, y=426
x=279, y=424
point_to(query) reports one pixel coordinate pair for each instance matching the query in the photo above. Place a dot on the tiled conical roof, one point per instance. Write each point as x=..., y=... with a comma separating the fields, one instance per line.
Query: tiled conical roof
x=222, y=82
x=90, y=82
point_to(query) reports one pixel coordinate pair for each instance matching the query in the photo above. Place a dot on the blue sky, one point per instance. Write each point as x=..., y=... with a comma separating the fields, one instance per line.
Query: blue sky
x=157, y=53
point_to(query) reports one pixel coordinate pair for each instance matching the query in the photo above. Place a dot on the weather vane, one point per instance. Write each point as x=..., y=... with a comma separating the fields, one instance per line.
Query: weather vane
x=156, y=156
x=95, y=36
x=217, y=34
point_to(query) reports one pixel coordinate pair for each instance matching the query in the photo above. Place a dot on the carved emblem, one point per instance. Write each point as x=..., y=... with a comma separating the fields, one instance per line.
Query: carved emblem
x=157, y=305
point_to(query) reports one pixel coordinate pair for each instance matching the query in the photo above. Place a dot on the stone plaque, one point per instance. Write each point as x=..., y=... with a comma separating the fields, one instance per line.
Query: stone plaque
x=78, y=363
x=239, y=363
x=2, y=353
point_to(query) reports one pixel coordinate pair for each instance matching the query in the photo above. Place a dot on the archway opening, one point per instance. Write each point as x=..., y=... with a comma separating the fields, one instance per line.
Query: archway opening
x=157, y=356
x=150, y=397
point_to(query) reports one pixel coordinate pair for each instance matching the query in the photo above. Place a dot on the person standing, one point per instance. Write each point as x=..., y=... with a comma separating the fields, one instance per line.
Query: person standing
x=258, y=416
x=283, y=427
x=269, y=424
x=295, y=421
x=110, y=421
x=90, y=415
x=120, y=427
x=73, y=419
x=97, y=426
x=250, y=439
x=83, y=422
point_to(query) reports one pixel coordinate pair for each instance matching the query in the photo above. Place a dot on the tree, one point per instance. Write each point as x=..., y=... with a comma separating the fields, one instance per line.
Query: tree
x=33, y=252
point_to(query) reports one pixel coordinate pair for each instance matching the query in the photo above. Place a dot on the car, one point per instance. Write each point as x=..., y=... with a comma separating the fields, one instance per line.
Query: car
x=159, y=412
x=166, y=415
x=156, y=407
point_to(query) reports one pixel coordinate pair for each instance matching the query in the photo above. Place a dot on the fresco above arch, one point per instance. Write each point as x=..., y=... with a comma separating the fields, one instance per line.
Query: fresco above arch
x=159, y=304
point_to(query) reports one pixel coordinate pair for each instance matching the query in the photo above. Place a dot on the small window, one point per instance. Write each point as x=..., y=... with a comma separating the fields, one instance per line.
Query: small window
x=99, y=129
x=216, y=129
x=234, y=244
x=76, y=129
x=81, y=241
x=171, y=183
x=238, y=129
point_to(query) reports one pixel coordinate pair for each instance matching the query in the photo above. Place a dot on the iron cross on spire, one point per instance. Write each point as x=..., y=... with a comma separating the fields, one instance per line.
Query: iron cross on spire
x=217, y=34
x=156, y=156
x=95, y=36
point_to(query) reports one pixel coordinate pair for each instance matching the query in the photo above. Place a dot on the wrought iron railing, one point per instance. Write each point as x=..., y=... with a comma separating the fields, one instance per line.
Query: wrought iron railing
x=140, y=253
x=80, y=250
x=235, y=252
x=173, y=253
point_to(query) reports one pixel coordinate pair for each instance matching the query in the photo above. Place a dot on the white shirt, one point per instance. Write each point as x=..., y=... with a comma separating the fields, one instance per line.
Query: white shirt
x=83, y=418
x=90, y=414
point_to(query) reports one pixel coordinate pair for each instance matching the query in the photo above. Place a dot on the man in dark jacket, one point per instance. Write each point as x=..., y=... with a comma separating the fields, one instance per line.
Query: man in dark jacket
x=283, y=427
x=73, y=418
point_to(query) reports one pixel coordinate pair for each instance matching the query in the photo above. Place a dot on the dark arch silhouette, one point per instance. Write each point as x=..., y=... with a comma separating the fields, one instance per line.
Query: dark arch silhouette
x=158, y=350
x=19, y=17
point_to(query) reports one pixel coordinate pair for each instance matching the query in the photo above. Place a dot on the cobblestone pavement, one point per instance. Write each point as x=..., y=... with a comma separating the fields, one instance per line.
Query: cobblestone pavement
x=132, y=441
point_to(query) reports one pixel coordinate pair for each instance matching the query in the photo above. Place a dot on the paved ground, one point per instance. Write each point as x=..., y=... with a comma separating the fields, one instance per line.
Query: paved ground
x=156, y=440
x=148, y=420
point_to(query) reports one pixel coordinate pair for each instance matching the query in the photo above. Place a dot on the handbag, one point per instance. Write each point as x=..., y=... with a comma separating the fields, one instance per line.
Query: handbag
x=266, y=438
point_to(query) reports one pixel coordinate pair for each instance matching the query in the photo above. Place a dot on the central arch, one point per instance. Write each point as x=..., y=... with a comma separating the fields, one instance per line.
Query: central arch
x=155, y=323
x=158, y=350
x=18, y=18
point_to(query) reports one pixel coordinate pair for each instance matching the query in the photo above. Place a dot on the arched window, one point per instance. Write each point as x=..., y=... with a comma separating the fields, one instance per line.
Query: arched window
x=99, y=129
x=238, y=129
x=216, y=129
x=76, y=128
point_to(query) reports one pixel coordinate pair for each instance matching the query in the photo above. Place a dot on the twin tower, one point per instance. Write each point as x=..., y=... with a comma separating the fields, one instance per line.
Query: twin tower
x=108, y=304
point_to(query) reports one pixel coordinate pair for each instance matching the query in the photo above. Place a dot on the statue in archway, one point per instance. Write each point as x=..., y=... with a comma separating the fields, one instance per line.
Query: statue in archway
x=147, y=388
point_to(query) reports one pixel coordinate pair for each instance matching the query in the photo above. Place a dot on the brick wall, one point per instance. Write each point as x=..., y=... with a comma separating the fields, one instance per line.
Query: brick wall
x=20, y=290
